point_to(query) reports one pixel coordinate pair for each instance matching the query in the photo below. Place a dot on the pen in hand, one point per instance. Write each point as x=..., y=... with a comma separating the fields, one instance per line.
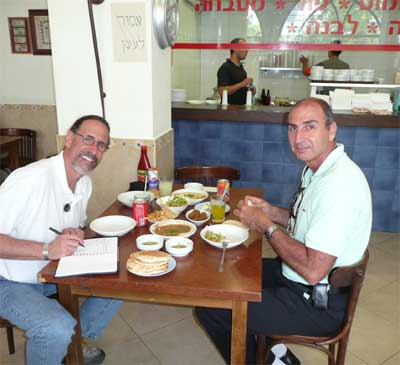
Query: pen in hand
x=58, y=232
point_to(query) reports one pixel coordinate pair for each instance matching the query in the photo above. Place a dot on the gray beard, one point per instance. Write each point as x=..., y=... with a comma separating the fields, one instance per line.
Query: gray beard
x=79, y=170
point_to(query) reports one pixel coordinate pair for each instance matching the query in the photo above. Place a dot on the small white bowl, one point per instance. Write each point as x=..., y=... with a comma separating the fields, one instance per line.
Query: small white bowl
x=172, y=243
x=198, y=223
x=194, y=186
x=162, y=202
x=141, y=242
x=112, y=225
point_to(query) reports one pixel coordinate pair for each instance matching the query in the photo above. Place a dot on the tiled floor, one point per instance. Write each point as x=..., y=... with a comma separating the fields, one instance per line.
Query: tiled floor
x=154, y=334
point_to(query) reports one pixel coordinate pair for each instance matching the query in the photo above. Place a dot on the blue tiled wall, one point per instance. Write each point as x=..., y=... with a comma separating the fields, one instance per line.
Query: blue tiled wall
x=262, y=153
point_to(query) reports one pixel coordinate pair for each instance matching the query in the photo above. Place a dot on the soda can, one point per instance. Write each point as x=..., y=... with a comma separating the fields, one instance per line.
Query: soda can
x=223, y=186
x=139, y=212
x=152, y=178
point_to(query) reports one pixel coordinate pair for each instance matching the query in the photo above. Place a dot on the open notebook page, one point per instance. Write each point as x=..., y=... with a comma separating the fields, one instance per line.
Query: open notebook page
x=100, y=255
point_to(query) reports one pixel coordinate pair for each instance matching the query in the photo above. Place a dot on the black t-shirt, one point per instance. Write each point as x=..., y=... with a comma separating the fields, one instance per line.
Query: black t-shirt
x=230, y=74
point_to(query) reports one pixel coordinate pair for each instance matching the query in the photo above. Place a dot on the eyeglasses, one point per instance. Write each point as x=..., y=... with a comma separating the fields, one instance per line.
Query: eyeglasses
x=89, y=140
x=295, y=205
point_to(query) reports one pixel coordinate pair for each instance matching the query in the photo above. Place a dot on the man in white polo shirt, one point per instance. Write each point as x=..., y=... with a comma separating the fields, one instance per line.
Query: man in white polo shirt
x=328, y=225
x=53, y=192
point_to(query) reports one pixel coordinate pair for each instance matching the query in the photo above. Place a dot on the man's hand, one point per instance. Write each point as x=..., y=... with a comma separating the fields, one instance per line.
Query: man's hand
x=65, y=244
x=247, y=82
x=253, y=212
x=77, y=231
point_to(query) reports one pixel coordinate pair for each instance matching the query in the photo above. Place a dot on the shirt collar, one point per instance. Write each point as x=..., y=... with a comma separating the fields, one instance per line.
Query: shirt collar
x=234, y=64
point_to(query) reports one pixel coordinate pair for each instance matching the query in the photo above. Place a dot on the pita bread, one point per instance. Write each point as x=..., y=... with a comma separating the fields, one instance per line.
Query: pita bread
x=148, y=262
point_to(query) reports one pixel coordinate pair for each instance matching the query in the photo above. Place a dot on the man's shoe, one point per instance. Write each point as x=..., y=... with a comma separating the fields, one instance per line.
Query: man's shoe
x=92, y=355
x=290, y=358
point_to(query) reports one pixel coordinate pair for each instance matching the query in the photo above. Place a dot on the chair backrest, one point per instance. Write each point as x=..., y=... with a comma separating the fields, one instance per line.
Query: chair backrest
x=352, y=277
x=27, y=147
x=207, y=175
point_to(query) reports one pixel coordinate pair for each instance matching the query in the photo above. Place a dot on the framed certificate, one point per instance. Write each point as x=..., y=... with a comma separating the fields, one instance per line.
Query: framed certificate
x=40, y=31
x=19, y=35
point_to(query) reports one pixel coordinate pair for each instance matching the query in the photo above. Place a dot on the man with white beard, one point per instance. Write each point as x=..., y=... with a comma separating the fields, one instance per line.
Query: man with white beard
x=53, y=192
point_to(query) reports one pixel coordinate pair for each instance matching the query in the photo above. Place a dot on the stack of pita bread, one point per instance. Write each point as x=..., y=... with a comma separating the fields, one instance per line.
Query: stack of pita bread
x=148, y=262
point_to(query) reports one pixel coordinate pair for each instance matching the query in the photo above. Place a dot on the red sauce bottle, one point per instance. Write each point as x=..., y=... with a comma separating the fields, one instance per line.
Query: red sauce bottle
x=143, y=165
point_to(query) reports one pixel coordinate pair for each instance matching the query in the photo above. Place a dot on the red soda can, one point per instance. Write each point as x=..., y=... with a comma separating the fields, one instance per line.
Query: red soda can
x=223, y=187
x=139, y=212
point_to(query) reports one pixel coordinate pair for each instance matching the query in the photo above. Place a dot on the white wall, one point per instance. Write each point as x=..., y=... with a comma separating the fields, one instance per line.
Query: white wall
x=138, y=93
x=24, y=78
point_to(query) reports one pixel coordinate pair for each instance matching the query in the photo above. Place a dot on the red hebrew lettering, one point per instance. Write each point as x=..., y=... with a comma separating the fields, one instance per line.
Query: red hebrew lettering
x=339, y=26
x=366, y=7
x=219, y=5
x=353, y=22
x=310, y=24
x=326, y=28
x=245, y=7
x=254, y=4
x=324, y=5
x=391, y=28
x=231, y=6
x=385, y=5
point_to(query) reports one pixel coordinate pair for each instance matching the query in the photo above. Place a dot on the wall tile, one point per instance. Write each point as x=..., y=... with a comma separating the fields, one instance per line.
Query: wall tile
x=389, y=137
x=381, y=205
x=210, y=130
x=387, y=157
x=366, y=136
x=275, y=133
x=273, y=152
x=210, y=148
x=254, y=132
x=364, y=156
x=232, y=131
x=346, y=136
x=369, y=174
x=385, y=179
x=274, y=173
x=188, y=129
x=251, y=171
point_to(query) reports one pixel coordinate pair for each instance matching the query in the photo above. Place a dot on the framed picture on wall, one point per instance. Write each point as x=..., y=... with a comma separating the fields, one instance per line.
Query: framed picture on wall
x=19, y=35
x=40, y=31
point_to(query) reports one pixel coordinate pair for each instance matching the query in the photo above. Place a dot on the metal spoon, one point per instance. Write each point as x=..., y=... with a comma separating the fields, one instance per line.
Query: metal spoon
x=221, y=264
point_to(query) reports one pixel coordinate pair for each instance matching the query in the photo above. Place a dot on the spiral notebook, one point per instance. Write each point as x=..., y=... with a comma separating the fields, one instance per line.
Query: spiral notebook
x=99, y=256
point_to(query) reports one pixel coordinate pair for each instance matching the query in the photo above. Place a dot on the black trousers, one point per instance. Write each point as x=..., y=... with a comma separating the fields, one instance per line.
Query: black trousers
x=284, y=310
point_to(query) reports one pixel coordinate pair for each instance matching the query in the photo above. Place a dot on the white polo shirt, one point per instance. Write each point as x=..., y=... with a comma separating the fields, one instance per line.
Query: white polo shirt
x=335, y=212
x=32, y=199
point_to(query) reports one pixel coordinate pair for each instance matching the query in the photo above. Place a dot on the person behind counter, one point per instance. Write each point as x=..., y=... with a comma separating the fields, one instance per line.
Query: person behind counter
x=333, y=62
x=233, y=77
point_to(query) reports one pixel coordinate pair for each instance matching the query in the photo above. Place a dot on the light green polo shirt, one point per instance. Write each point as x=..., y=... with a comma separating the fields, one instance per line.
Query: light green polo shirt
x=335, y=212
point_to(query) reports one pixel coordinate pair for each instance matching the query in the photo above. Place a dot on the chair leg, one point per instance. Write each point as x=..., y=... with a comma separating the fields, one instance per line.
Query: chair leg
x=260, y=352
x=341, y=354
x=332, y=348
x=10, y=340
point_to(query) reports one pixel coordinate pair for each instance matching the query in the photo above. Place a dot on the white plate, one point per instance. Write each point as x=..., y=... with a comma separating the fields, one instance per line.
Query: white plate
x=171, y=266
x=172, y=217
x=113, y=225
x=233, y=234
x=207, y=206
x=195, y=101
x=174, y=221
x=212, y=102
x=128, y=197
x=185, y=193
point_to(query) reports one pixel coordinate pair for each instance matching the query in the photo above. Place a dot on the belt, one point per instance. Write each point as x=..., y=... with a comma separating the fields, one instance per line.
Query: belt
x=332, y=290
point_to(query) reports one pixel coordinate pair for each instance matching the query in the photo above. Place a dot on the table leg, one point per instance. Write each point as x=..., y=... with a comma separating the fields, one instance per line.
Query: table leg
x=71, y=304
x=239, y=329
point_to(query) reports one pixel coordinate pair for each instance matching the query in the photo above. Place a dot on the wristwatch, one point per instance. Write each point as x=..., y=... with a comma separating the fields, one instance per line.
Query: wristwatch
x=45, y=251
x=268, y=233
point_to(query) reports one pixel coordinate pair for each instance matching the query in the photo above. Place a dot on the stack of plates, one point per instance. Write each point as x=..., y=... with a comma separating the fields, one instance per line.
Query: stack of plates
x=178, y=95
x=327, y=74
x=368, y=75
x=355, y=75
x=316, y=72
x=341, y=75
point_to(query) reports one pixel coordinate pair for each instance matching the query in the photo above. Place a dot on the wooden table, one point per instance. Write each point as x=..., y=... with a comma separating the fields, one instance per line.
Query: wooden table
x=11, y=145
x=195, y=280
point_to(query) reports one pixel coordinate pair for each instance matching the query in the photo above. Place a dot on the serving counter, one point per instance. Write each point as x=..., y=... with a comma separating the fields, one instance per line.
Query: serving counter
x=255, y=141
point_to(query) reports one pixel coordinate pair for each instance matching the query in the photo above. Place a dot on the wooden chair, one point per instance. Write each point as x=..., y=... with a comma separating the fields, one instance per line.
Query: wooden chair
x=27, y=147
x=10, y=334
x=207, y=175
x=341, y=277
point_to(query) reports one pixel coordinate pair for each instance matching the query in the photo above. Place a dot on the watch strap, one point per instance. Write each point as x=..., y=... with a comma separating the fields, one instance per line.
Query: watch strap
x=45, y=251
x=268, y=233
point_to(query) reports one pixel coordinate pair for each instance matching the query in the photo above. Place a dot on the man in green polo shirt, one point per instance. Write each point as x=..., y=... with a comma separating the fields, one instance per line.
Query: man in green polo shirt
x=328, y=225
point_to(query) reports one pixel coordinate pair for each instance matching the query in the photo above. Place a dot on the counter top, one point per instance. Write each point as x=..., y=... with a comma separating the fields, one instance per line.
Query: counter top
x=272, y=114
